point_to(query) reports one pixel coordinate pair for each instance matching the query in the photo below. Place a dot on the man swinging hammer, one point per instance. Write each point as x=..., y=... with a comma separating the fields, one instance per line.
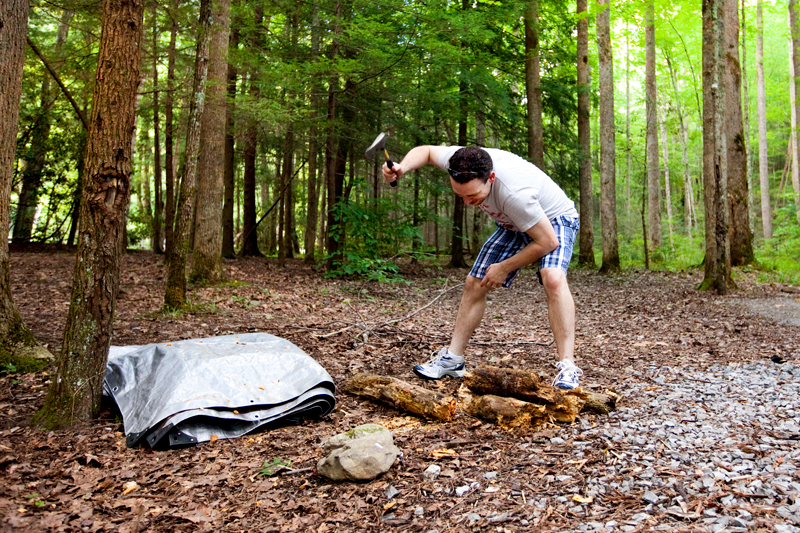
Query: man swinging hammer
x=536, y=223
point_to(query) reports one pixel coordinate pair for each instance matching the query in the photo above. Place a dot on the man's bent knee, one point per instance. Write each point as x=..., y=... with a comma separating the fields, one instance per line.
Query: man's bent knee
x=553, y=279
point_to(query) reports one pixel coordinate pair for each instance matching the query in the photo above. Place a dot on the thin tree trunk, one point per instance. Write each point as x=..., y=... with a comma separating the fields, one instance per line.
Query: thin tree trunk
x=651, y=104
x=285, y=220
x=175, y=292
x=457, y=241
x=690, y=217
x=76, y=389
x=155, y=230
x=608, y=169
x=740, y=238
x=169, y=132
x=207, y=257
x=751, y=214
x=628, y=127
x=332, y=239
x=533, y=84
x=795, y=31
x=763, y=163
x=230, y=154
x=586, y=234
x=667, y=186
x=312, y=211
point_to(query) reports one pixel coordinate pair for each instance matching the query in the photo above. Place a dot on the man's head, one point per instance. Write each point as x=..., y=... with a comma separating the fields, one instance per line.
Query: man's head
x=471, y=175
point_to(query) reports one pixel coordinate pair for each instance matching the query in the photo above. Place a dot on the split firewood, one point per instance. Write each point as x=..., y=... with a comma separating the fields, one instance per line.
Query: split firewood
x=404, y=396
x=527, y=386
x=506, y=412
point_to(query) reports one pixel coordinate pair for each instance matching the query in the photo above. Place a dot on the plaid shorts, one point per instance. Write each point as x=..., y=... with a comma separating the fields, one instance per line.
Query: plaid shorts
x=504, y=243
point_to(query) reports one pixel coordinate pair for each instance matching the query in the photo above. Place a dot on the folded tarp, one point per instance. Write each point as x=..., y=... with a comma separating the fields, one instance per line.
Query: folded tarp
x=185, y=392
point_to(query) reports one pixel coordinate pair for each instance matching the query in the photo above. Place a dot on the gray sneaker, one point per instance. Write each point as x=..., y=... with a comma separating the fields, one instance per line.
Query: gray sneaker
x=569, y=375
x=439, y=366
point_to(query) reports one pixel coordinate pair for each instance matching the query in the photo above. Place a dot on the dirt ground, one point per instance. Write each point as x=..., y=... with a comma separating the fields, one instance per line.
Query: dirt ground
x=80, y=479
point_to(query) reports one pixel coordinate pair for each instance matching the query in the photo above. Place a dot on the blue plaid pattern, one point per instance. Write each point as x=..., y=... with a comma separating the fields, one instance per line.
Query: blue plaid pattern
x=504, y=243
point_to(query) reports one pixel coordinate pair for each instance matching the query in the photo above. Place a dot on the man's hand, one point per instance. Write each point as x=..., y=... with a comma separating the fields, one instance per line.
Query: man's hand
x=391, y=174
x=496, y=274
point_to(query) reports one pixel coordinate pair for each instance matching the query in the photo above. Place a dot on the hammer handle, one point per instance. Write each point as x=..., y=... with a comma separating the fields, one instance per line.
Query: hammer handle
x=391, y=166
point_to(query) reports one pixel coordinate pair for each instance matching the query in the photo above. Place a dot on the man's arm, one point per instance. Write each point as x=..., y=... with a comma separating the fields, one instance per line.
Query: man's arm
x=414, y=159
x=544, y=241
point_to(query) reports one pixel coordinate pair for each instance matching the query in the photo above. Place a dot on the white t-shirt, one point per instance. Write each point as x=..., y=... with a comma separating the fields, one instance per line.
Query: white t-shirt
x=521, y=194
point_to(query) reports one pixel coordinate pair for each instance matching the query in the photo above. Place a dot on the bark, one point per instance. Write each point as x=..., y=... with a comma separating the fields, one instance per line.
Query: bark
x=207, y=257
x=285, y=218
x=717, y=271
x=740, y=237
x=76, y=389
x=36, y=157
x=586, y=232
x=155, y=230
x=175, y=293
x=404, y=396
x=457, y=238
x=690, y=217
x=763, y=162
x=312, y=211
x=230, y=156
x=533, y=85
x=332, y=240
x=667, y=186
x=651, y=103
x=627, y=129
x=16, y=340
x=249, y=233
x=746, y=119
x=608, y=169
x=169, y=133
x=795, y=30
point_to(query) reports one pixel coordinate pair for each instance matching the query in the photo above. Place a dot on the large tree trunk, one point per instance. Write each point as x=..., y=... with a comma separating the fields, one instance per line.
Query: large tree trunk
x=155, y=229
x=76, y=389
x=715, y=160
x=16, y=340
x=763, y=162
x=651, y=149
x=207, y=257
x=230, y=155
x=608, y=168
x=533, y=85
x=795, y=30
x=741, y=238
x=169, y=131
x=175, y=292
x=586, y=233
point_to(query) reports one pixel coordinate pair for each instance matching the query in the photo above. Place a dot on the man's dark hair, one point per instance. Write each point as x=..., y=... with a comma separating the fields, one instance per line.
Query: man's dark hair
x=470, y=163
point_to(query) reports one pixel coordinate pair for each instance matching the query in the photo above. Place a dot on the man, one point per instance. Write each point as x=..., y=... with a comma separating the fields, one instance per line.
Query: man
x=536, y=223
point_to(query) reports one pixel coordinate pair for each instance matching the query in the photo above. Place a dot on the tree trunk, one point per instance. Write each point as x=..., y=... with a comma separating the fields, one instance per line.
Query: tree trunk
x=169, y=132
x=533, y=85
x=763, y=162
x=76, y=389
x=155, y=229
x=207, y=257
x=285, y=224
x=230, y=154
x=667, y=185
x=312, y=210
x=457, y=241
x=403, y=396
x=175, y=293
x=628, y=129
x=16, y=340
x=586, y=233
x=751, y=214
x=741, y=238
x=795, y=30
x=651, y=103
x=690, y=218
x=608, y=168
x=717, y=271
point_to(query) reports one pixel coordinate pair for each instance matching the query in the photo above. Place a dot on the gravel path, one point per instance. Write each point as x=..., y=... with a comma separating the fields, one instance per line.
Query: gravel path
x=714, y=450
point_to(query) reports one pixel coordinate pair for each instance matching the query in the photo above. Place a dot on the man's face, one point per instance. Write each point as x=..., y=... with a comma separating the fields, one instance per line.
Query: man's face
x=474, y=192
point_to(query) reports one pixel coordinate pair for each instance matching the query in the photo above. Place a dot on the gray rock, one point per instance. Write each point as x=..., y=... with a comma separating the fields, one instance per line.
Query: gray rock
x=431, y=473
x=419, y=511
x=490, y=475
x=391, y=492
x=473, y=518
x=360, y=454
x=651, y=497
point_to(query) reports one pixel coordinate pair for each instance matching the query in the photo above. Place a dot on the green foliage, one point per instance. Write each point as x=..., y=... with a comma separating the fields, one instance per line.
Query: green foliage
x=271, y=468
x=780, y=256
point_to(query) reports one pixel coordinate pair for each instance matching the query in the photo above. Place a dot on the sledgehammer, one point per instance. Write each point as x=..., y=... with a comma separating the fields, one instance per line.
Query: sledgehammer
x=380, y=144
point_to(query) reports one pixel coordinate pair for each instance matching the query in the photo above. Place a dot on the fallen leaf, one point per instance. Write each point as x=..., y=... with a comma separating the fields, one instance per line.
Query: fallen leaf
x=129, y=487
x=442, y=452
x=582, y=499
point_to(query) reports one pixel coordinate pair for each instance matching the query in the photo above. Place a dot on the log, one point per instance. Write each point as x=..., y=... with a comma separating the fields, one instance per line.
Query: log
x=509, y=413
x=403, y=396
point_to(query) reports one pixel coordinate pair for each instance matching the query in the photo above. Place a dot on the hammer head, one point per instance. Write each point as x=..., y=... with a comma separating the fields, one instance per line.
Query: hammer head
x=377, y=145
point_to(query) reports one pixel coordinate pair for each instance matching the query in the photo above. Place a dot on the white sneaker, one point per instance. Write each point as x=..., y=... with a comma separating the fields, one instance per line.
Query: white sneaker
x=440, y=365
x=569, y=375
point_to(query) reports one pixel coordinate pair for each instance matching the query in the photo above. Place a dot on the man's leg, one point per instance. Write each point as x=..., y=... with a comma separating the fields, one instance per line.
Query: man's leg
x=470, y=313
x=561, y=311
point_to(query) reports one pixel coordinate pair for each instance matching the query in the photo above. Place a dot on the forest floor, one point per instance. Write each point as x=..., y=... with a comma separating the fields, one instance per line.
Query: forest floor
x=566, y=477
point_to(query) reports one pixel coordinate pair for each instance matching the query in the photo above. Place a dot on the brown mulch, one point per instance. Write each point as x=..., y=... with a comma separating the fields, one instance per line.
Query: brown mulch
x=85, y=479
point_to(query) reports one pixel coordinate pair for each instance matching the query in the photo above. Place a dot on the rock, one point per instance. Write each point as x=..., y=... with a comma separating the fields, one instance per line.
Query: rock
x=391, y=492
x=490, y=475
x=419, y=510
x=360, y=454
x=460, y=491
x=431, y=473
x=651, y=497
x=473, y=518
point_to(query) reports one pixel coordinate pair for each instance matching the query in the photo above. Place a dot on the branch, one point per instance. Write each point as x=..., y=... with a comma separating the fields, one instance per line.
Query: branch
x=60, y=84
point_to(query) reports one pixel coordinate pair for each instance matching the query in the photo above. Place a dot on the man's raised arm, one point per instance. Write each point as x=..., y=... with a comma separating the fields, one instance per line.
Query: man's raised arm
x=414, y=159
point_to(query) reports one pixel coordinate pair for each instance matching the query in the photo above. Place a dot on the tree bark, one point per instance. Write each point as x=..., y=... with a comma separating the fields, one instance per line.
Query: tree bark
x=763, y=162
x=403, y=396
x=175, y=292
x=628, y=129
x=689, y=215
x=16, y=340
x=533, y=84
x=608, y=168
x=795, y=31
x=207, y=257
x=751, y=215
x=667, y=186
x=230, y=155
x=76, y=389
x=169, y=132
x=651, y=149
x=312, y=211
x=586, y=233
x=155, y=229
x=741, y=238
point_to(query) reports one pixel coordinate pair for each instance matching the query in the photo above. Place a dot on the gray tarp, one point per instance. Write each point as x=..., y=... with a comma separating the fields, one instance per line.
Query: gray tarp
x=180, y=393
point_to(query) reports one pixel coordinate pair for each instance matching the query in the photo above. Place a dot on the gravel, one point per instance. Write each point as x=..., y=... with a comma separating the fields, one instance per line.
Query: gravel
x=714, y=450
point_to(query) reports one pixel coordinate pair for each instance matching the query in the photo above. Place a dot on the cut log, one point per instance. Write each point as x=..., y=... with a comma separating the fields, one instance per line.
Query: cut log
x=404, y=396
x=506, y=412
